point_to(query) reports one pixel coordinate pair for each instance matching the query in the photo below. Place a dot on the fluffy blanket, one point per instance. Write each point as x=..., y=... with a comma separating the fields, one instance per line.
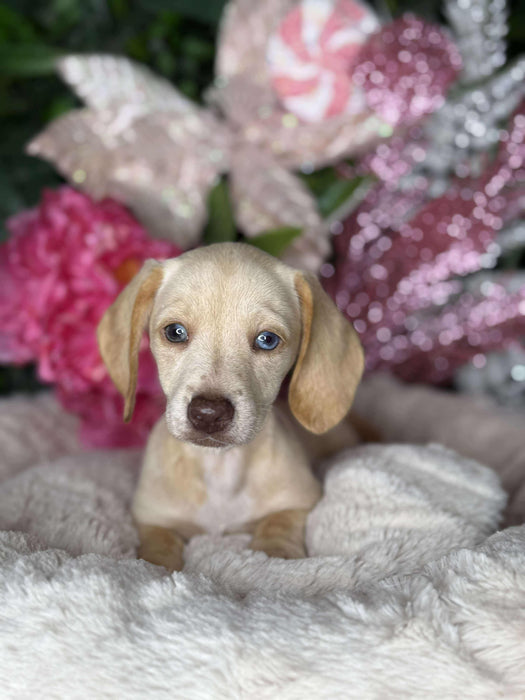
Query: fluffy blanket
x=407, y=594
x=474, y=427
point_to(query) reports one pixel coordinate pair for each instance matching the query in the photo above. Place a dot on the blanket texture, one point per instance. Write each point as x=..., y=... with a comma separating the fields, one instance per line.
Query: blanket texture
x=406, y=593
x=473, y=426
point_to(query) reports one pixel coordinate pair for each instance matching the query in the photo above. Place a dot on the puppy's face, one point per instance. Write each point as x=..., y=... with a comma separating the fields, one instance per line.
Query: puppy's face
x=226, y=323
x=225, y=329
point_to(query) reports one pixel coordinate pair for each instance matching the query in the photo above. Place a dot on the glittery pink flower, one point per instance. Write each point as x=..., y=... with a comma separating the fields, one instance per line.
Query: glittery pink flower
x=405, y=69
x=312, y=54
x=64, y=264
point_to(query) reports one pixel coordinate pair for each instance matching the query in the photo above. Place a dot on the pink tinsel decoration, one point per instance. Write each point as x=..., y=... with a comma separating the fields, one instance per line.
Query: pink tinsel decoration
x=399, y=257
x=406, y=69
x=64, y=264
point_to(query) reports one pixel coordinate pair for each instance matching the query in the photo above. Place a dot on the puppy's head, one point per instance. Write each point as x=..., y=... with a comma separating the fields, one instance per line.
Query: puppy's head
x=226, y=324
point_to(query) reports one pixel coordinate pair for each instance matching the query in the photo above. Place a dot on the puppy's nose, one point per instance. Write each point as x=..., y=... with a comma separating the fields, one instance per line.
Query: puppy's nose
x=209, y=415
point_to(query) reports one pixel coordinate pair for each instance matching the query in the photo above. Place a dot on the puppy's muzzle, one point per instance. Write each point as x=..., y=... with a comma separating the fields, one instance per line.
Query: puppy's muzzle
x=210, y=415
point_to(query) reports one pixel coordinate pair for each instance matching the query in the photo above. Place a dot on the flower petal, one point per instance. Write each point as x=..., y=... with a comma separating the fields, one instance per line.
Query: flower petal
x=300, y=145
x=266, y=196
x=104, y=81
x=243, y=36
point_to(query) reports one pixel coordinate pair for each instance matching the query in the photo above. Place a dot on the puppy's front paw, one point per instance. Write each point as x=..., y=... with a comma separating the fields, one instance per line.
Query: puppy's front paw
x=161, y=547
x=281, y=534
x=171, y=560
x=279, y=548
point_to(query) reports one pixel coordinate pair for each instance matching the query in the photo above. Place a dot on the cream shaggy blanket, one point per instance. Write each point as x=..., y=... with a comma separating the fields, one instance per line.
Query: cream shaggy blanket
x=407, y=594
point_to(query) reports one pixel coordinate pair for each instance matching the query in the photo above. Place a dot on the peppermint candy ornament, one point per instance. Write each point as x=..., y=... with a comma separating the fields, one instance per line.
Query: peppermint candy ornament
x=312, y=55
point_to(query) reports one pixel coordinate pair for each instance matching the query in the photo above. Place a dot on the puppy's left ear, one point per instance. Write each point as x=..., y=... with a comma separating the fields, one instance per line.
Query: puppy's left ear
x=330, y=360
x=120, y=331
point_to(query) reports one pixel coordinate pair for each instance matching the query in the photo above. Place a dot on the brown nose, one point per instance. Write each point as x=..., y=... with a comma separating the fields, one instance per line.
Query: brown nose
x=210, y=415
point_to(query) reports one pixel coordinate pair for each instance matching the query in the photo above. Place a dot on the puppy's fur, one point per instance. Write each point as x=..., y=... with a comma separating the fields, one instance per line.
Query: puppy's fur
x=252, y=474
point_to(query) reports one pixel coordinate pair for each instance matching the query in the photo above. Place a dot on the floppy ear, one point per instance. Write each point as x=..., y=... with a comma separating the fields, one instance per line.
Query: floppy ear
x=120, y=331
x=330, y=360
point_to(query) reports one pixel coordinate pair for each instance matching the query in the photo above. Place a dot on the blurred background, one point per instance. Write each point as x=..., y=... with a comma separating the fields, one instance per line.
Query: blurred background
x=176, y=39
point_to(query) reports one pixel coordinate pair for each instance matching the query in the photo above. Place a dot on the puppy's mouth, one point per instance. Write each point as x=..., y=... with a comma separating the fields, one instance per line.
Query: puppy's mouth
x=233, y=437
x=219, y=442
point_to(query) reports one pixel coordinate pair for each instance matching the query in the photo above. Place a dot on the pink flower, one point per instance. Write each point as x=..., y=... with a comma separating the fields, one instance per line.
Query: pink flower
x=64, y=264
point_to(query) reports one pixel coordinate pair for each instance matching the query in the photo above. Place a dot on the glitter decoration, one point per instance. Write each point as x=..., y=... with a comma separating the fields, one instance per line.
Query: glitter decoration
x=405, y=69
x=457, y=137
x=512, y=237
x=500, y=375
x=439, y=317
x=312, y=55
x=400, y=255
x=480, y=27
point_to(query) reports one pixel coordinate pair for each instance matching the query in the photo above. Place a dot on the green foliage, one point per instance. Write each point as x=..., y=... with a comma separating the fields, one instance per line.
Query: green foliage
x=221, y=224
x=275, y=241
x=332, y=190
x=221, y=227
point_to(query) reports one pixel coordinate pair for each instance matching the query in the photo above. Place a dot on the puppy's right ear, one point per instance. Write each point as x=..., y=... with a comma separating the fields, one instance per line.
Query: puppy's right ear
x=120, y=331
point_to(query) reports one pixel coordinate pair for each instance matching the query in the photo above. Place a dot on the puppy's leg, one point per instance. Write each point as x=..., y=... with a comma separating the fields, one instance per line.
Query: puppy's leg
x=281, y=534
x=161, y=546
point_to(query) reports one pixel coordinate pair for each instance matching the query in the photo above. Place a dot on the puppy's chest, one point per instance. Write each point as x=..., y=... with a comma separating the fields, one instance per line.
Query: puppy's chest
x=228, y=501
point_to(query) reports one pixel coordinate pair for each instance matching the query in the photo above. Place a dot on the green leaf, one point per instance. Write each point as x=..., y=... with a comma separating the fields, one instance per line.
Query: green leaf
x=337, y=194
x=197, y=48
x=320, y=180
x=221, y=224
x=276, y=240
x=60, y=105
x=27, y=60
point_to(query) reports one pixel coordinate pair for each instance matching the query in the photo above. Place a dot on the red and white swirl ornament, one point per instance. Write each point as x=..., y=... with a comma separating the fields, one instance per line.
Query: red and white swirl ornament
x=312, y=54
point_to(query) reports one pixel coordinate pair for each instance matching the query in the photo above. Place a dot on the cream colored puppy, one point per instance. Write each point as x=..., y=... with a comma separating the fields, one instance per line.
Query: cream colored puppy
x=226, y=324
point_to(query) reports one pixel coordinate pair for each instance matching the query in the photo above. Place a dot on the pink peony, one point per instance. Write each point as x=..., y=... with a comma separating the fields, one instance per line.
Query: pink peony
x=64, y=264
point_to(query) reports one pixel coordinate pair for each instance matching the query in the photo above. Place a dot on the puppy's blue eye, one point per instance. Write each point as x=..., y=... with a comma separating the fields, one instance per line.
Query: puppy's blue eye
x=267, y=341
x=176, y=333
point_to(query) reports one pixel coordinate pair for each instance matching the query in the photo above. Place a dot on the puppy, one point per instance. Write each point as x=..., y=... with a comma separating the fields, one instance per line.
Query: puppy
x=226, y=324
